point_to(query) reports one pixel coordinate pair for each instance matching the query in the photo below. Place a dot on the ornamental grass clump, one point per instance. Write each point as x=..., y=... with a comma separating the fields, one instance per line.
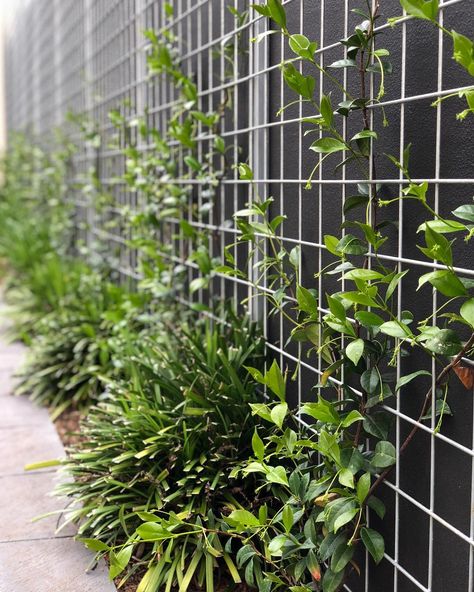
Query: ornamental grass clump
x=152, y=476
x=76, y=343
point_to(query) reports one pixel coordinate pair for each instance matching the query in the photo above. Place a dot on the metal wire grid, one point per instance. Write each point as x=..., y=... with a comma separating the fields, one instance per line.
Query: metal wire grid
x=98, y=51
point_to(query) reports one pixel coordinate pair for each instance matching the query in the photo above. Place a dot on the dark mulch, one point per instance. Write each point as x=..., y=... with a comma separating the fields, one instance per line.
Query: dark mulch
x=132, y=583
x=67, y=426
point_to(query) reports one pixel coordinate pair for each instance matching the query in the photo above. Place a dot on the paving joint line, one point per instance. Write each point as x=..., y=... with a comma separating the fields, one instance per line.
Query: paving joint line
x=37, y=539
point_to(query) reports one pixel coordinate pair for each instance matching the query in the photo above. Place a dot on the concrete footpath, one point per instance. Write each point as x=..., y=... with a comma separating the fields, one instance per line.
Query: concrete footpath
x=32, y=557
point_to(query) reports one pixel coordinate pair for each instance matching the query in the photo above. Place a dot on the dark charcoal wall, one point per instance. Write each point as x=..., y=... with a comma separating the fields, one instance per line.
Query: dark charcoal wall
x=322, y=206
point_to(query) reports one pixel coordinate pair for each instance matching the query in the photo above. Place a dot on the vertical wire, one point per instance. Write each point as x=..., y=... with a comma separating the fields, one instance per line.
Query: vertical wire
x=300, y=199
x=320, y=190
x=435, y=302
x=221, y=190
x=399, y=302
x=235, y=144
x=281, y=187
x=252, y=69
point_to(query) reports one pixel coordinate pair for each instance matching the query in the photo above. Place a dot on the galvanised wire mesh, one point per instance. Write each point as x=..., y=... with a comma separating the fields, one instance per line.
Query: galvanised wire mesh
x=89, y=56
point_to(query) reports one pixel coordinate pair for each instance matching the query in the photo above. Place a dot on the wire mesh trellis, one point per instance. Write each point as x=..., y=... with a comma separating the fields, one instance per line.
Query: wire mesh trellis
x=88, y=56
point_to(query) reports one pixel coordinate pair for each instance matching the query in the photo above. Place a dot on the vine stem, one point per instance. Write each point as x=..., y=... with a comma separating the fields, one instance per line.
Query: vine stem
x=444, y=372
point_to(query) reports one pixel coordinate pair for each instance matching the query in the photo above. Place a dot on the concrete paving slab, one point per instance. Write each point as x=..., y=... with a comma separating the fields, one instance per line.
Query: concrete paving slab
x=13, y=363
x=54, y=565
x=32, y=557
x=27, y=445
x=25, y=497
x=7, y=382
x=21, y=412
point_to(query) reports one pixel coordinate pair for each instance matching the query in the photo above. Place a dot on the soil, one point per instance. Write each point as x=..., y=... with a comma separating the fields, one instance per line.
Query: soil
x=67, y=426
x=130, y=585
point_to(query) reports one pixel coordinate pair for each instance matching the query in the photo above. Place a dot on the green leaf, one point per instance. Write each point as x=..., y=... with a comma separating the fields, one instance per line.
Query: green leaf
x=330, y=543
x=354, y=201
x=276, y=545
x=463, y=51
x=395, y=329
x=332, y=581
x=302, y=46
x=294, y=256
x=341, y=557
x=287, y=518
x=351, y=245
x=352, y=417
x=322, y=411
x=306, y=300
x=94, y=544
x=445, y=281
x=378, y=424
x=444, y=342
x=370, y=381
x=385, y=455
x=278, y=414
x=337, y=308
x=277, y=475
x=355, y=350
x=303, y=85
x=368, y=319
x=198, y=284
x=465, y=212
x=326, y=110
x=363, y=486
x=409, y=377
x=277, y=12
x=328, y=446
x=43, y=464
x=231, y=568
x=258, y=446
x=346, y=478
x=423, y=9
x=255, y=374
x=331, y=242
x=364, y=134
x=119, y=561
x=443, y=226
x=377, y=506
x=394, y=283
x=363, y=274
x=262, y=9
x=242, y=518
x=373, y=542
x=244, y=554
x=245, y=174
x=345, y=63
x=327, y=146
x=275, y=381
x=344, y=517
x=150, y=531
x=467, y=312
x=261, y=410
x=438, y=247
